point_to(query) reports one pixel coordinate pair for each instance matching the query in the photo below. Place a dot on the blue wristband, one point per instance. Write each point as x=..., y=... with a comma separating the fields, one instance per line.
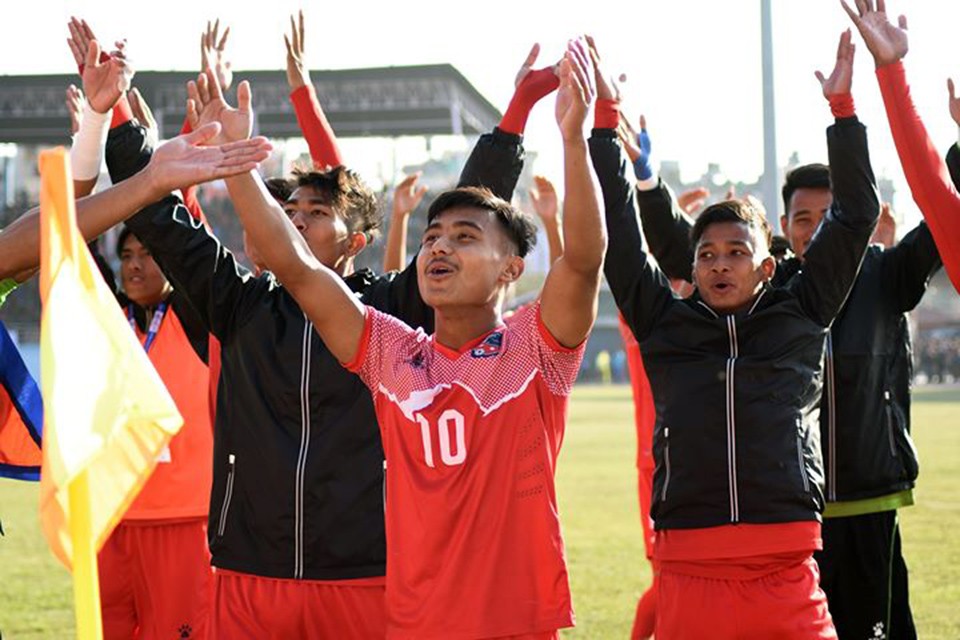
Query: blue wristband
x=641, y=166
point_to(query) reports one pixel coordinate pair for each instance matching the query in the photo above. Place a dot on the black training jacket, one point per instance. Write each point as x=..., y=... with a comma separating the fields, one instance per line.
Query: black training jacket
x=868, y=367
x=298, y=464
x=737, y=396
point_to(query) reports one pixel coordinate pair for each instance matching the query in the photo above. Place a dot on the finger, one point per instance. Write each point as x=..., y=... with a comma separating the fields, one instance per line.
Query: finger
x=294, y=35
x=203, y=87
x=193, y=92
x=202, y=134
x=902, y=21
x=407, y=181
x=216, y=30
x=850, y=12
x=93, y=55
x=950, y=89
x=422, y=191
x=643, y=122
x=882, y=6
x=301, y=30
x=246, y=146
x=223, y=40
x=193, y=115
x=820, y=78
x=87, y=31
x=244, y=96
x=286, y=42
x=532, y=56
x=216, y=93
x=78, y=56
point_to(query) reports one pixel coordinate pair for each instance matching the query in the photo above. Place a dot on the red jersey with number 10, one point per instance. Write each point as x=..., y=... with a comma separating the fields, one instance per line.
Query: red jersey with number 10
x=471, y=438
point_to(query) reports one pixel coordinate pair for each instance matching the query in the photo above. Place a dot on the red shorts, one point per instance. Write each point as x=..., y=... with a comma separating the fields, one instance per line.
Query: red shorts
x=156, y=580
x=784, y=603
x=258, y=608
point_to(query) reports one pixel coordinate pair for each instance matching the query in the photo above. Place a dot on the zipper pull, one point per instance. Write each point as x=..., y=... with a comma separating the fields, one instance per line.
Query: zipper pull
x=231, y=459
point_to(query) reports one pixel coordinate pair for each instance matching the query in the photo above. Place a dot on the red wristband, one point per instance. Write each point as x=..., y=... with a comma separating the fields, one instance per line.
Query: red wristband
x=535, y=85
x=606, y=114
x=121, y=112
x=841, y=105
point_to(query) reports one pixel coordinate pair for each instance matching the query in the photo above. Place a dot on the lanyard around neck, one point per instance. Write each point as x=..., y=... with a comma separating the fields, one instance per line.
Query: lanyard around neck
x=154, y=324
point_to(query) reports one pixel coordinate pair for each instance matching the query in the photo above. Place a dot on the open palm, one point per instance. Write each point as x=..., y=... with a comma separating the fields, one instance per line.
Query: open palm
x=954, y=102
x=886, y=41
x=206, y=104
x=841, y=78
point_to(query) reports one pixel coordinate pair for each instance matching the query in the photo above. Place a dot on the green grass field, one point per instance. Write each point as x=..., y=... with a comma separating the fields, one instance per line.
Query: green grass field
x=598, y=502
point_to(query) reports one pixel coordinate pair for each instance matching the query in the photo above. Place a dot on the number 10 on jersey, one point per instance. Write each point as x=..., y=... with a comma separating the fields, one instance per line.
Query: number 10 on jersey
x=450, y=435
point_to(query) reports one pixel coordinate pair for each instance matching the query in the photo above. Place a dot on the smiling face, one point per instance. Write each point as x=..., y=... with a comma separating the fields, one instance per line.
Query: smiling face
x=140, y=276
x=731, y=264
x=805, y=211
x=466, y=259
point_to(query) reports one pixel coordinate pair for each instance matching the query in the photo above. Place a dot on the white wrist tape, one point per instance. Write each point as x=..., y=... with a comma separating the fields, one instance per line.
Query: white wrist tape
x=86, y=153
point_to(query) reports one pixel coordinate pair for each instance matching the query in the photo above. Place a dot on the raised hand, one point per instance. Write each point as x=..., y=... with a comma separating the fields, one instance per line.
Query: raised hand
x=184, y=161
x=954, y=102
x=407, y=195
x=886, y=232
x=886, y=41
x=577, y=90
x=141, y=111
x=607, y=88
x=104, y=83
x=692, y=200
x=75, y=102
x=205, y=104
x=841, y=79
x=543, y=195
x=212, y=54
x=297, y=73
x=79, y=41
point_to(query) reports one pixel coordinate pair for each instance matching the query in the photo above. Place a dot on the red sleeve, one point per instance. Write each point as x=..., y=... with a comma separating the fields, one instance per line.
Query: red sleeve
x=926, y=173
x=315, y=127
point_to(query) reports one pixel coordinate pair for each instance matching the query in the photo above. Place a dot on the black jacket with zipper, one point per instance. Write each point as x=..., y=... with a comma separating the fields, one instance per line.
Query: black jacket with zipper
x=737, y=396
x=865, y=408
x=298, y=463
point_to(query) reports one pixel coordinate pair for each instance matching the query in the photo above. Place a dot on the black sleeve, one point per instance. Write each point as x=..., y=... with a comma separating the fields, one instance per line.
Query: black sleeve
x=640, y=289
x=667, y=229
x=908, y=267
x=129, y=149
x=953, y=164
x=398, y=294
x=832, y=260
x=202, y=270
x=495, y=162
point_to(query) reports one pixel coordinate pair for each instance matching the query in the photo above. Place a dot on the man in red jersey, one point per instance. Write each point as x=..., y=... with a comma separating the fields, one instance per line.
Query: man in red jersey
x=472, y=417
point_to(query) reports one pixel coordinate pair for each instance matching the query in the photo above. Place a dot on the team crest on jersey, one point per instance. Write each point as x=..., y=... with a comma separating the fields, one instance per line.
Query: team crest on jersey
x=489, y=347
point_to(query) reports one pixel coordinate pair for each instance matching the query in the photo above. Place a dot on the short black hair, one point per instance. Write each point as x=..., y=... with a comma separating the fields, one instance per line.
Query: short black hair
x=739, y=211
x=280, y=188
x=519, y=228
x=779, y=247
x=807, y=176
x=346, y=192
x=125, y=232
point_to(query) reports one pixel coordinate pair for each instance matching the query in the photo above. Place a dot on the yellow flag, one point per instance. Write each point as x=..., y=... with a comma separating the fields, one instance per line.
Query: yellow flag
x=107, y=414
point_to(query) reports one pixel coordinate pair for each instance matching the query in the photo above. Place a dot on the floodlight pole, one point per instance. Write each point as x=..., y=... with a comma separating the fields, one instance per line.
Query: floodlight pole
x=771, y=172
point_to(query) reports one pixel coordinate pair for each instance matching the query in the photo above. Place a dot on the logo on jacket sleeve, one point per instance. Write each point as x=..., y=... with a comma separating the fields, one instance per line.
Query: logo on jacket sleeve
x=489, y=347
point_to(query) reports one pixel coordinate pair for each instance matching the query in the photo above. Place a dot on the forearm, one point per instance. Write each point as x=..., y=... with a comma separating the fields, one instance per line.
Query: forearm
x=280, y=245
x=667, y=229
x=316, y=129
x=584, y=231
x=928, y=177
x=495, y=163
x=20, y=241
x=395, y=252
